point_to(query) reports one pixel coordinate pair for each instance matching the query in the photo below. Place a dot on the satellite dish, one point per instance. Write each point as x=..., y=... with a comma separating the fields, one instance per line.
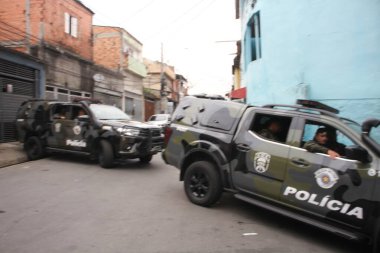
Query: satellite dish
x=98, y=77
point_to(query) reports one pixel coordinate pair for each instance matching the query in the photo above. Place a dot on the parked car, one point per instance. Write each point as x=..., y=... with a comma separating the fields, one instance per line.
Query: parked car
x=85, y=127
x=160, y=120
x=222, y=146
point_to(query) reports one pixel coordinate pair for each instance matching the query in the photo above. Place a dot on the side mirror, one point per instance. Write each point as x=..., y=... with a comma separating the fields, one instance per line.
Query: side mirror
x=358, y=153
x=84, y=118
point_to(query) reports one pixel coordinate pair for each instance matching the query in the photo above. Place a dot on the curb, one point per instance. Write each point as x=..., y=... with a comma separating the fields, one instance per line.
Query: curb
x=12, y=153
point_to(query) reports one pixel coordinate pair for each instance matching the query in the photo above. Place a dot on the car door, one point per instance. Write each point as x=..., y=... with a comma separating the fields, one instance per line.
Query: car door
x=68, y=132
x=259, y=164
x=337, y=189
x=58, y=118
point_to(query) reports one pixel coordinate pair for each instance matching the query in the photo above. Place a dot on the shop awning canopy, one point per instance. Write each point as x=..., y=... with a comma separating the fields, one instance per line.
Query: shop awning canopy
x=238, y=94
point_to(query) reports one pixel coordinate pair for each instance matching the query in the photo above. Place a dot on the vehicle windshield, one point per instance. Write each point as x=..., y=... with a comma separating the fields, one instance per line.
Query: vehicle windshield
x=107, y=112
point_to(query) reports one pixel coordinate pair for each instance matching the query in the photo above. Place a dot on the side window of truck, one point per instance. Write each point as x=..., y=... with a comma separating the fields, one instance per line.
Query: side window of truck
x=271, y=127
x=60, y=112
x=335, y=139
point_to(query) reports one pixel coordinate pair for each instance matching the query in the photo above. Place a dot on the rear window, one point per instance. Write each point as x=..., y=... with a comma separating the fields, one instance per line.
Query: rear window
x=220, y=115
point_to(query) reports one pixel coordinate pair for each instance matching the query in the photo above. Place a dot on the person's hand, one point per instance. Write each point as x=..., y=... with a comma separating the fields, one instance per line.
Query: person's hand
x=332, y=154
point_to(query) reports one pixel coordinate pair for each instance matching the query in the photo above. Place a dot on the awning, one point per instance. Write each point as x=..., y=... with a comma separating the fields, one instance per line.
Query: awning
x=238, y=94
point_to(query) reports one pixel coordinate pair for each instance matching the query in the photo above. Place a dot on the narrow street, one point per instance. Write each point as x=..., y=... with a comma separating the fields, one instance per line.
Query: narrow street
x=67, y=204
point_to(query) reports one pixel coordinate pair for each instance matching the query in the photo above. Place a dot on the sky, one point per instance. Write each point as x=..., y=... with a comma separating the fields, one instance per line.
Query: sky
x=198, y=37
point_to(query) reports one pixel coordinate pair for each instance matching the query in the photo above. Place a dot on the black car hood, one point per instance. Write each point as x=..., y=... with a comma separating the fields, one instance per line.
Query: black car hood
x=128, y=123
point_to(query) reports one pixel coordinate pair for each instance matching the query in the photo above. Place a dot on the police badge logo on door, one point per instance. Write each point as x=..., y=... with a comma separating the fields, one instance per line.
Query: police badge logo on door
x=326, y=178
x=261, y=162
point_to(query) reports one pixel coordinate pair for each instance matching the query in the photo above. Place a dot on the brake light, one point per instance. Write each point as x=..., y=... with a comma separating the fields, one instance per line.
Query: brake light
x=168, y=133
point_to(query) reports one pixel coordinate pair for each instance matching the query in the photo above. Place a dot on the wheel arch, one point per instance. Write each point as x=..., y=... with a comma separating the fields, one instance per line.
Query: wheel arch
x=213, y=155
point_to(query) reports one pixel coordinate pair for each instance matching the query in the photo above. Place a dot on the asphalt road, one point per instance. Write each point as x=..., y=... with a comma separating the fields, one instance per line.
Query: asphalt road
x=67, y=204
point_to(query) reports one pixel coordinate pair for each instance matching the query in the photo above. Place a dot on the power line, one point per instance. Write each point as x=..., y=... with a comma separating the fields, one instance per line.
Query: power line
x=174, y=21
x=140, y=10
x=21, y=34
x=192, y=20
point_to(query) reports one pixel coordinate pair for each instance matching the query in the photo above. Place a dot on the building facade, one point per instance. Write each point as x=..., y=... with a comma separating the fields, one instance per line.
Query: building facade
x=321, y=50
x=118, y=50
x=59, y=33
x=159, y=88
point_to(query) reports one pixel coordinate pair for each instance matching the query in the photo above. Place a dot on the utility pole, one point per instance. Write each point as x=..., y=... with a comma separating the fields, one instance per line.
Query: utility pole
x=163, y=98
x=27, y=26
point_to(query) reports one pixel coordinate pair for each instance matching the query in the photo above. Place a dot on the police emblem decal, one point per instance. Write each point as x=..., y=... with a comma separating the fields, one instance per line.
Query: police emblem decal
x=326, y=177
x=261, y=162
x=77, y=130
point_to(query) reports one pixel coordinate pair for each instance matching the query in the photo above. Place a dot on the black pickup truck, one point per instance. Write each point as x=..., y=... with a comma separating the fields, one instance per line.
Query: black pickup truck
x=85, y=127
x=226, y=146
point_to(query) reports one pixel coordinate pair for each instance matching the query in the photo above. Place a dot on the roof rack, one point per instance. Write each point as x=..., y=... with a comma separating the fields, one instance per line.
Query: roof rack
x=316, y=105
x=208, y=96
x=86, y=100
x=302, y=108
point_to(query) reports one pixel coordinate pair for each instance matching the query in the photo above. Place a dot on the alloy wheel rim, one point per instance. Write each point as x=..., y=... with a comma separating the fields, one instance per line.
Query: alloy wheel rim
x=199, y=185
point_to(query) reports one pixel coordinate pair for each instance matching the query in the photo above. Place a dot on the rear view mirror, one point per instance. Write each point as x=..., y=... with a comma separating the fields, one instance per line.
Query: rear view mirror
x=358, y=153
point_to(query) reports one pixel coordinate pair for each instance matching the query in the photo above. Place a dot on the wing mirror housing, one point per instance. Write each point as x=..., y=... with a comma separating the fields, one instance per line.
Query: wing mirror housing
x=84, y=118
x=358, y=153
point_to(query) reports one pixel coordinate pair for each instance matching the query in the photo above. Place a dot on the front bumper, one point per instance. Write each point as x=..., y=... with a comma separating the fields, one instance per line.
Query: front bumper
x=133, y=147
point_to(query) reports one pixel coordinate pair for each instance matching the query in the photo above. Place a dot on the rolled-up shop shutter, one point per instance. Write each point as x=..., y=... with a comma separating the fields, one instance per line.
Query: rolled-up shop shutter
x=17, y=84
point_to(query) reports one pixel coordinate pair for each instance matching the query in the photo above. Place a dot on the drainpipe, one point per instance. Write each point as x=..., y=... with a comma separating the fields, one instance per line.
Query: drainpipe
x=27, y=26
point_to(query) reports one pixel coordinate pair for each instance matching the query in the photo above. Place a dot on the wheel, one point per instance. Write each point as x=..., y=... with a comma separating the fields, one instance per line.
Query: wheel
x=34, y=148
x=106, y=159
x=202, y=183
x=375, y=245
x=146, y=159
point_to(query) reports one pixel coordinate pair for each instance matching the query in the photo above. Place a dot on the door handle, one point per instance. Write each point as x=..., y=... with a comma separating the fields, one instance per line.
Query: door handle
x=243, y=147
x=300, y=162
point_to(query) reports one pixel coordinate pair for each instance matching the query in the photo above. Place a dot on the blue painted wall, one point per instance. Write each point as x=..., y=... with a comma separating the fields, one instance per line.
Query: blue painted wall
x=317, y=49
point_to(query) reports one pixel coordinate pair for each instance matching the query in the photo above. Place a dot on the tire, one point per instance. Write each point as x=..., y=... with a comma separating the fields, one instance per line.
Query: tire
x=34, y=148
x=106, y=157
x=146, y=159
x=375, y=245
x=202, y=183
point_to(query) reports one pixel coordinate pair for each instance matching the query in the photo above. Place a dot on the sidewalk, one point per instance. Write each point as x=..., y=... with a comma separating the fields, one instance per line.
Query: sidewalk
x=11, y=153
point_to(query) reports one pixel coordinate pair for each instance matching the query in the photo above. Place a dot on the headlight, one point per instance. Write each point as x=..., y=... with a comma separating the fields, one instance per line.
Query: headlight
x=129, y=131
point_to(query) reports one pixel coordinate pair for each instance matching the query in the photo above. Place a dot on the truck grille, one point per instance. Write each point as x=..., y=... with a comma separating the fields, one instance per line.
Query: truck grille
x=156, y=132
x=148, y=132
x=144, y=132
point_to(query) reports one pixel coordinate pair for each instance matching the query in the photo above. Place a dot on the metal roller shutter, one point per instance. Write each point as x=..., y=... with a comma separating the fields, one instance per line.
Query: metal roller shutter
x=22, y=79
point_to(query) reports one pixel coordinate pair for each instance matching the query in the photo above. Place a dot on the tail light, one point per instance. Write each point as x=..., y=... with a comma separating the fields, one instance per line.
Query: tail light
x=168, y=133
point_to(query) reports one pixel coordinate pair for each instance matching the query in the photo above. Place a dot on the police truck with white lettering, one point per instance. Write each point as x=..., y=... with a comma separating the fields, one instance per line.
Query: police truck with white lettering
x=303, y=161
x=85, y=127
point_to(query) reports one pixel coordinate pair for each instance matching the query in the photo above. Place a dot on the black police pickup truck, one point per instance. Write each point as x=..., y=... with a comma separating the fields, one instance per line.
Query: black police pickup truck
x=85, y=127
x=258, y=154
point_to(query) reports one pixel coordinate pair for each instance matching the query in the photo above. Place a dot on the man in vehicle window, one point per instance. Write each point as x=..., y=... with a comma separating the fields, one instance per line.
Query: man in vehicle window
x=332, y=142
x=272, y=130
x=319, y=143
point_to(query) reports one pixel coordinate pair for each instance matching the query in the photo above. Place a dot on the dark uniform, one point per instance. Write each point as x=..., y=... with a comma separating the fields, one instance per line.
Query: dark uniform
x=268, y=134
x=315, y=147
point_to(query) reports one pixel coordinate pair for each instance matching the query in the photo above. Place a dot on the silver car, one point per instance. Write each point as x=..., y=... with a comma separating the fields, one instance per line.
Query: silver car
x=160, y=120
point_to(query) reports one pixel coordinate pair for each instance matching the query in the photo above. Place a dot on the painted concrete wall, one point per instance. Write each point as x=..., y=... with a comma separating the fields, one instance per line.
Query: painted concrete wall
x=317, y=49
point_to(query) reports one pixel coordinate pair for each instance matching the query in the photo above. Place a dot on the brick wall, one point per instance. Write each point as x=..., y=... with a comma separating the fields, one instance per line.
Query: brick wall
x=108, y=47
x=47, y=22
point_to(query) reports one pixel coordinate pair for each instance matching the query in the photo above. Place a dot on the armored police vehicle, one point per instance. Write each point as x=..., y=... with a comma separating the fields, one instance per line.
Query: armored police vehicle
x=225, y=146
x=85, y=127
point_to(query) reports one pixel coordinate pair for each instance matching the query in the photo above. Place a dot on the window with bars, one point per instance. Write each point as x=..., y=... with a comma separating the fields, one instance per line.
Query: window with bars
x=64, y=94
